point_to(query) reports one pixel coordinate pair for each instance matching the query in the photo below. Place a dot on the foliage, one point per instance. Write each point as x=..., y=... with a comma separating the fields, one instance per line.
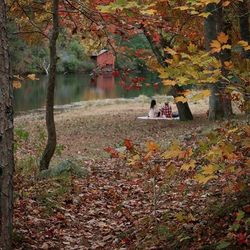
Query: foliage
x=214, y=163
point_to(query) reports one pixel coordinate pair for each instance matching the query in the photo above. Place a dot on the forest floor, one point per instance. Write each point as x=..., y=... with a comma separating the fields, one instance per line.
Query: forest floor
x=124, y=202
x=84, y=131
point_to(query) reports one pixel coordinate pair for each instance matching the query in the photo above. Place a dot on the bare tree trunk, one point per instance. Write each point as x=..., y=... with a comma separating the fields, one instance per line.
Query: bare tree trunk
x=219, y=103
x=6, y=135
x=50, y=123
x=184, y=111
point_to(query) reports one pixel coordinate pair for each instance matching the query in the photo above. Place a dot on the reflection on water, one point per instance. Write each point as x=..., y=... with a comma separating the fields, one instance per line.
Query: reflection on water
x=75, y=88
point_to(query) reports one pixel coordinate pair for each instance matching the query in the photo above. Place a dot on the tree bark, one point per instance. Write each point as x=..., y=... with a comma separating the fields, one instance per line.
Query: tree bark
x=245, y=35
x=6, y=135
x=184, y=111
x=244, y=23
x=219, y=103
x=50, y=123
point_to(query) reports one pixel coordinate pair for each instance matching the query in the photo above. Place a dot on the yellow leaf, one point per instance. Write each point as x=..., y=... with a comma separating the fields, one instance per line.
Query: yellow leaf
x=192, y=48
x=201, y=95
x=204, y=14
x=149, y=12
x=188, y=166
x=173, y=151
x=32, y=77
x=227, y=46
x=170, y=51
x=243, y=43
x=182, y=80
x=216, y=46
x=182, y=8
x=222, y=38
x=193, y=12
x=209, y=169
x=18, y=77
x=170, y=170
x=204, y=179
x=134, y=159
x=169, y=82
x=180, y=217
x=247, y=47
x=180, y=99
x=16, y=84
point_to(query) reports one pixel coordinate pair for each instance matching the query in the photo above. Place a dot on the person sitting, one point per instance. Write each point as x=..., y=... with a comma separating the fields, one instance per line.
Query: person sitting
x=166, y=110
x=153, y=111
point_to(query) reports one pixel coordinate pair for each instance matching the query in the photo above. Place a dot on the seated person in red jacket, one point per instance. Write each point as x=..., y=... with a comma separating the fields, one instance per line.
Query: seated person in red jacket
x=166, y=111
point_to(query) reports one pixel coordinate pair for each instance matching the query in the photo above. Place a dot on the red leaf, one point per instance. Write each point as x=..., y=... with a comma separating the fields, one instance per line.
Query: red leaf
x=113, y=153
x=128, y=144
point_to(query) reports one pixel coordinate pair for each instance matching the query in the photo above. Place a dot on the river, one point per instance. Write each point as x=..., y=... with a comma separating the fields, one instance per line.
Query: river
x=72, y=88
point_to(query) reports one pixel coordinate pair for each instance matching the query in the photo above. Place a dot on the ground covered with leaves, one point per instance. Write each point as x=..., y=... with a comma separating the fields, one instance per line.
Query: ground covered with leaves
x=118, y=183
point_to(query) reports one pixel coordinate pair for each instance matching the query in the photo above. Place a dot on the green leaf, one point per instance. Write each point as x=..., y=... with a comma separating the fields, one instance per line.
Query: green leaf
x=223, y=245
x=240, y=215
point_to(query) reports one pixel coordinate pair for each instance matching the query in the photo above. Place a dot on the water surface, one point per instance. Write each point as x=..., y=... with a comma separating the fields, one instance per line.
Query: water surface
x=78, y=87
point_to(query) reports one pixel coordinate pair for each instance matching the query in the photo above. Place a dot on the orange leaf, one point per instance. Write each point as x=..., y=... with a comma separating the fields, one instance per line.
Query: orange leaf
x=222, y=38
x=152, y=146
x=16, y=84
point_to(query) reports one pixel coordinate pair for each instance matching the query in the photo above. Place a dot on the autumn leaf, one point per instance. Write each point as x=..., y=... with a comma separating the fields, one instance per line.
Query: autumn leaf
x=170, y=51
x=222, y=38
x=188, y=166
x=156, y=37
x=228, y=64
x=201, y=95
x=17, y=84
x=209, y=169
x=192, y=48
x=134, y=159
x=216, y=46
x=32, y=77
x=173, y=151
x=128, y=144
x=169, y=82
x=226, y=3
x=113, y=153
x=149, y=12
x=227, y=46
x=244, y=44
x=180, y=99
x=205, y=14
x=203, y=179
x=152, y=146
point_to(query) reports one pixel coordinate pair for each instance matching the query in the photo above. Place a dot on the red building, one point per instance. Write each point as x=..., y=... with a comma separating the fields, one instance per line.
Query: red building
x=105, y=61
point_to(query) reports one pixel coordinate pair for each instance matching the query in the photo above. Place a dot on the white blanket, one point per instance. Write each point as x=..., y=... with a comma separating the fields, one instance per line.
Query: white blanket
x=157, y=118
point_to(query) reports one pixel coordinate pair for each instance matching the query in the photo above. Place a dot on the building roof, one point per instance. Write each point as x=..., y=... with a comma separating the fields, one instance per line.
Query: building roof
x=99, y=53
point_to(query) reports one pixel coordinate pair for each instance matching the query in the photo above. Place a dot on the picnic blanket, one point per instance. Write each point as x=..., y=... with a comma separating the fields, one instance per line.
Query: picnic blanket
x=157, y=118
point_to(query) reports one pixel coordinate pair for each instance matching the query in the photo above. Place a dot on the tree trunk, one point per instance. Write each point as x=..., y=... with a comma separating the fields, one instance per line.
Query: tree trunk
x=219, y=103
x=184, y=111
x=244, y=23
x=6, y=135
x=50, y=123
x=245, y=35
